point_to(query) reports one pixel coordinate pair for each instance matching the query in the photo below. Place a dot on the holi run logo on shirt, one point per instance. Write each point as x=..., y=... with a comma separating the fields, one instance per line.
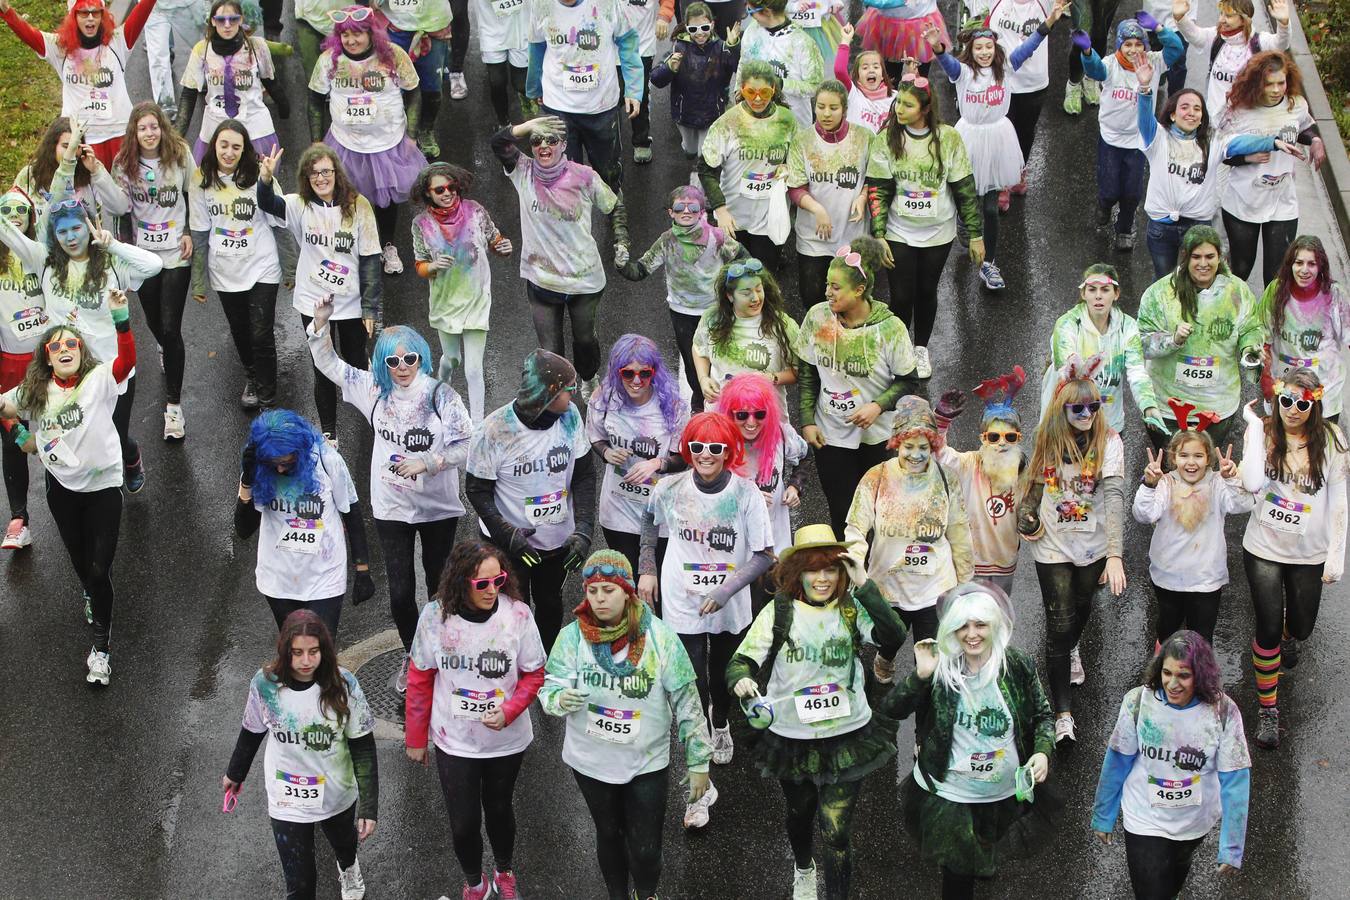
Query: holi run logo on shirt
x=1191, y=174
x=1221, y=329
x=554, y=462
x=989, y=721
x=587, y=39
x=343, y=241
x=64, y=420
x=488, y=664
x=242, y=208
x=635, y=686
x=645, y=447
x=318, y=737
x=719, y=537
x=1188, y=759
x=836, y=652
x=306, y=506
x=372, y=81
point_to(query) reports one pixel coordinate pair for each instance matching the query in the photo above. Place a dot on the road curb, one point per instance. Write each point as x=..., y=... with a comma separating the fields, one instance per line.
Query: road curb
x=1335, y=171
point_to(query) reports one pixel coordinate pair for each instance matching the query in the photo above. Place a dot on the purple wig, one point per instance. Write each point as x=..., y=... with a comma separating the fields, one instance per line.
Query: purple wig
x=752, y=391
x=634, y=348
x=375, y=26
x=1194, y=652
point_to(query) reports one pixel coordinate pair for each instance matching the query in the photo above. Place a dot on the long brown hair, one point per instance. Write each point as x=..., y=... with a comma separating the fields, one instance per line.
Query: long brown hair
x=787, y=575
x=100, y=260
x=1284, y=280
x=465, y=558
x=1316, y=431
x=895, y=132
x=967, y=54
x=344, y=194
x=32, y=393
x=1183, y=285
x=1057, y=441
x=174, y=153
x=327, y=677
x=1251, y=81
x=44, y=162
x=771, y=316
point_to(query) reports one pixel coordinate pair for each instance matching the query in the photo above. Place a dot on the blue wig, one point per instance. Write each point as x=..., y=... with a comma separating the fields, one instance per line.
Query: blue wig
x=391, y=339
x=634, y=348
x=277, y=433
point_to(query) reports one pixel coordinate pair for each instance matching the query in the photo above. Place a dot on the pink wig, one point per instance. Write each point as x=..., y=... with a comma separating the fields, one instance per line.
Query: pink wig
x=751, y=392
x=375, y=26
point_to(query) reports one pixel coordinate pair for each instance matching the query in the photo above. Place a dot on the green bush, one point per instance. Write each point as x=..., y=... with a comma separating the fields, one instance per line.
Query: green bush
x=32, y=92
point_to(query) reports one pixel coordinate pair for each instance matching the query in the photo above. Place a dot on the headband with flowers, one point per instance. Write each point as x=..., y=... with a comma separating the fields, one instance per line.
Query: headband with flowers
x=1298, y=391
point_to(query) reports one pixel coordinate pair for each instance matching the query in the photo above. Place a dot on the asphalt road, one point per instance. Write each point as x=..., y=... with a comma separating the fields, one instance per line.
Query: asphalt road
x=115, y=793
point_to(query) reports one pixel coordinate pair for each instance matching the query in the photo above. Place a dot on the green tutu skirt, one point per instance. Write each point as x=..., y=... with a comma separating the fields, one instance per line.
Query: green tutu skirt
x=846, y=757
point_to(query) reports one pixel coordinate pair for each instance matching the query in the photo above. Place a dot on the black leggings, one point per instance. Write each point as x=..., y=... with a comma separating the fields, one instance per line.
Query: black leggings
x=1094, y=17
x=1066, y=592
x=957, y=886
x=630, y=546
x=811, y=274
x=1024, y=111
x=14, y=463
x=989, y=207
x=501, y=76
x=131, y=454
x=762, y=248
x=1283, y=594
x=386, y=222
x=628, y=821
x=349, y=340
x=709, y=654
x=549, y=308
x=1275, y=238
x=840, y=469
x=1197, y=612
x=1158, y=865
x=162, y=299
x=459, y=34
x=90, y=523
x=295, y=846
x=684, y=327
x=252, y=317
x=914, y=286
x=329, y=609
x=542, y=584
x=832, y=806
x=478, y=792
x=642, y=122
x=398, y=540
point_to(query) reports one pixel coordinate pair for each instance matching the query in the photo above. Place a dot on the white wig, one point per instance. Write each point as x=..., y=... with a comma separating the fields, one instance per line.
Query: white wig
x=965, y=603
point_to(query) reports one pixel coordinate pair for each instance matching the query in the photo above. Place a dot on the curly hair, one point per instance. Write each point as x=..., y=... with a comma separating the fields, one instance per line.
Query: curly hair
x=462, y=180
x=1250, y=83
x=345, y=194
x=465, y=558
x=1194, y=652
x=328, y=677
x=787, y=574
x=872, y=252
x=32, y=392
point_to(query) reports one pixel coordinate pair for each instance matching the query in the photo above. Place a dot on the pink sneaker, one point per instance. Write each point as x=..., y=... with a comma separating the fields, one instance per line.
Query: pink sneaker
x=17, y=536
x=505, y=885
x=1004, y=201
x=482, y=892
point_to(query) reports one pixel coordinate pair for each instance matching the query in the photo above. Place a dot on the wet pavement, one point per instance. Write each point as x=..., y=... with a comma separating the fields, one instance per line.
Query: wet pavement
x=116, y=793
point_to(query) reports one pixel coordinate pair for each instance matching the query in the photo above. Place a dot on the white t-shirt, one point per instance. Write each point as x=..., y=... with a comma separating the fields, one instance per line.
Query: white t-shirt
x=500, y=25
x=23, y=318
x=241, y=249
x=980, y=99
x=923, y=211
x=302, y=544
x=1118, y=116
x=1191, y=561
x=752, y=154
x=1014, y=21
x=1172, y=790
x=867, y=112
x=642, y=16
x=1181, y=182
x=307, y=766
x=557, y=249
x=478, y=666
x=365, y=99
x=581, y=57
x=1073, y=510
x=748, y=348
x=330, y=254
x=252, y=63
x=76, y=440
x=1290, y=523
x=834, y=174
x=711, y=535
x=984, y=760
x=1230, y=60
x=1264, y=192
x=419, y=15
x=532, y=469
x=791, y=451
x=642, y=430
x=94, y=85
x=158, y=205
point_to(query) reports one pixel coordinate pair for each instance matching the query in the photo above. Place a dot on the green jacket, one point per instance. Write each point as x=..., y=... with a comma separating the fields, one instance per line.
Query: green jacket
x=935, y=705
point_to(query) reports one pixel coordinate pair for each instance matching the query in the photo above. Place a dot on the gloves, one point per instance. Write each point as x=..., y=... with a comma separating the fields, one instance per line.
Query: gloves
x=1082, y=40
x=248, y=464
x=620, y=255
x=572, y=700
x=950, y=405
x=1157, y=424
x=577, y=548
x=363, y=587
x=1147, y=21
x=519, y=546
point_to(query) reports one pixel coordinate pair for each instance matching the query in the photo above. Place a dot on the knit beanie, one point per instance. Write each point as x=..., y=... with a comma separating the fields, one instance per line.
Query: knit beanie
x=545, y=376
x=1129, y=28
x=609, y=565
x=914, y=416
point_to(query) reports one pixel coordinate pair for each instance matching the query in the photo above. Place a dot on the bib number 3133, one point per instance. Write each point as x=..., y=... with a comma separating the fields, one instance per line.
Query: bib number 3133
x=304, y=792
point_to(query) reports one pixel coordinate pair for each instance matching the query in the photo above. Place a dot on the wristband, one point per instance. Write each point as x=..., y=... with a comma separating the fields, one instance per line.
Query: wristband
x=21, y=435
x=120, y=314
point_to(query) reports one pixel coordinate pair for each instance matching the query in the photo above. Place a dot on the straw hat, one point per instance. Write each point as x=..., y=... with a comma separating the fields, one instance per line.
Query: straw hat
x=809, y=537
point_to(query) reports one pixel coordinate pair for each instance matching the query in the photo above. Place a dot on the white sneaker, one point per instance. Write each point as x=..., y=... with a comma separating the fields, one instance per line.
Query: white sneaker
x=392, y=264
x=1077, y=675
x=696, y=814
x=17, y=536
x=804, y=883
x=883, y=669
x=1092, y=91
x=398, y=682
x=353, y=885
x=458, y=88
x=723, y=747
x=173, y=425
x=923, y=367
x=99, y=665
x=1064, y=729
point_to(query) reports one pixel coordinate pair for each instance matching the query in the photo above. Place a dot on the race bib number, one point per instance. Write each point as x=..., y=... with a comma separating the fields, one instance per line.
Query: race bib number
x=757, y=185
x=919, y=204
x=1174, y=793
x=581, y=78
x=618, y=726
x=918, y=559
x=1297, y=362
x=154, y=235
x=506, y=8
x=330, y=277
x=1075, y=517
x=701, y=578
x=301, y=792
x=467, y=704
x=548, y=509
x=233, y=243
x=821, y=703
x=29, y=321
x=843, y=403
x=359, y=111
x=807, y=14
x=635, y=493
x=1284, y=515
x=987, y=766
x=57, y=453
x=301, y=536
x=1196, y=371
x=389, y=475
x=99, y=105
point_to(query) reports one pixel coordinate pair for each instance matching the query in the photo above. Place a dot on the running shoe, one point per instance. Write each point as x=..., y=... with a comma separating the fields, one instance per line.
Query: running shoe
x=1020, y=188
x=804, y=883
x=1288, y=649
x=398, y=682
x=1064, y=730
x=923, y=366
x=427, y=143
x=17, y=535
x=135, y=476
x=642, y=155
x=696, y=813
x=459, y=89
x=482, y=892
x=1005, y=200
x=504, y=883
x=99, y=664
x=1125, y=241
x=883, y=669
x=249, y=398
x=353, y=885
x=992, y=277
x=173, y=425
x=1092, y=92
x=1268, y=727
x=1103, y=217
x=723, y=748
x=1073, y=98
x=88, y=609
x=1077, y=674
x=392, y=264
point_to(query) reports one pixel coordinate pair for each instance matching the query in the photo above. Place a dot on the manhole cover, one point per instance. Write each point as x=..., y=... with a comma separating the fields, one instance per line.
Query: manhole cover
x=374, y=676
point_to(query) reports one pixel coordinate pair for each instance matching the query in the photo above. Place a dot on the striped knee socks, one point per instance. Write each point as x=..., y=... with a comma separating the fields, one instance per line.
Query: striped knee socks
x=1266, y=664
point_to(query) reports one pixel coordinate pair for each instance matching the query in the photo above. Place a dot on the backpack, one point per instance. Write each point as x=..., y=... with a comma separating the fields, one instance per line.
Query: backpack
x=782, y=625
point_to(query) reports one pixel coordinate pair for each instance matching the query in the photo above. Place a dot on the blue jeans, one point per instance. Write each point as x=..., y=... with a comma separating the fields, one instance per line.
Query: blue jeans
x=1164, y=242
x=1120, y=179
x=430, y=66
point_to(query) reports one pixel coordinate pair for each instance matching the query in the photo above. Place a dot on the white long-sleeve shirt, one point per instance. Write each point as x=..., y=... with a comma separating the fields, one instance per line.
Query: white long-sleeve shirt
x=1192, y=561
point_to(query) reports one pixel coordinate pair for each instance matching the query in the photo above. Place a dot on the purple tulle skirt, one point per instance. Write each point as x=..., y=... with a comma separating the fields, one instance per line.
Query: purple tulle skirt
x=383, y=178
x=263, y=145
